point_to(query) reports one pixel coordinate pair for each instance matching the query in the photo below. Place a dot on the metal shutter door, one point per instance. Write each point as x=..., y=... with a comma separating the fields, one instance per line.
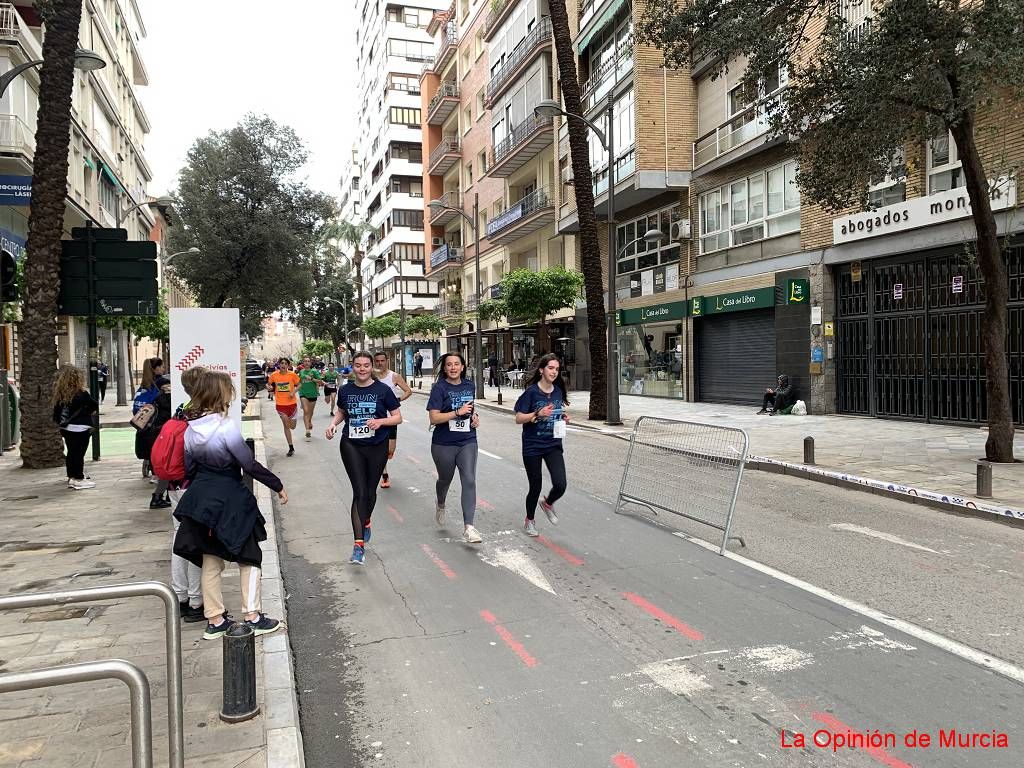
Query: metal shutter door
x=736, y=357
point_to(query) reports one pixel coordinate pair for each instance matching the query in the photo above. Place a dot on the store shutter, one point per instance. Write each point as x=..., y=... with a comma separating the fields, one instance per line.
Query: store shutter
x=736, y=356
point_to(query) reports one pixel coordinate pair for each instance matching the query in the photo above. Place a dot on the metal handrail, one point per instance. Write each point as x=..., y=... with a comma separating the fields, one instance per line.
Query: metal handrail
x=518, y=135
x=611, y=67
x=141, y=711
x=538, y=36
x=446, y=254
x=448, y=90
x=527, y=206
x=449, y=41
x=172, y=635
x=720, y=140
x=448, y=145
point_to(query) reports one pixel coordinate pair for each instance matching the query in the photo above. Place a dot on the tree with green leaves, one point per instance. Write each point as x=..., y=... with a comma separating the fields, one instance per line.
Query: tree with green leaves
x=352, y=234
x=331, y=310
x=41, y=443
x=533, y=296
x=317, y=348
x=858, y=96
x=426, y=326
x=383, y=327
x=256, y=226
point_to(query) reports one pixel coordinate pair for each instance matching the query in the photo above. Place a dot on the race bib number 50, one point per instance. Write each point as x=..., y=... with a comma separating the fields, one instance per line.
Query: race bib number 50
x=459, y=425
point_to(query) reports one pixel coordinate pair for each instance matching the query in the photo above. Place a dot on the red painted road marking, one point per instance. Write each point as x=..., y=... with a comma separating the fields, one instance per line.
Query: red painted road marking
x=569, y=556
x=623, y=761
x=485, y=505
x=396, y=514
x=659, y=614
x=438, y=561
x=412, y=458
x=877, y=754
x=509, y=639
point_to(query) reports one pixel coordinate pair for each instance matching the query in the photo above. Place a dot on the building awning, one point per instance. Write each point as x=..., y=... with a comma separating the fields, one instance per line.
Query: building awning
x=110, y=175
x=598, y=23
x=89, y=163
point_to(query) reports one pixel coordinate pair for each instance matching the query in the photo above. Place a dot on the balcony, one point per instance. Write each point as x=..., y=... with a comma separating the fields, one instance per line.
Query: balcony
x=738, y=131
x=448, y=49
x=445, y=257
x=524, y=143
x=13, y=28
x=500, y=10
x=449, y=308
x=522, y=218
x=16, y=137
x=604, y=79
x=445, y=156
x=539, y=39
x=443, y=104
x=450, y=212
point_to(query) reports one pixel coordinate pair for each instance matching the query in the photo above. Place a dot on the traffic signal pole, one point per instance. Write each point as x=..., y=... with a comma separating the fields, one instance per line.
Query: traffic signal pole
x=94, y=353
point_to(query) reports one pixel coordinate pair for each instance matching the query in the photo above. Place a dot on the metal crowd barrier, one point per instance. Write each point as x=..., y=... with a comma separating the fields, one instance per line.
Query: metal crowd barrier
x=172, y=634
x=686, y=468
x=116, y=669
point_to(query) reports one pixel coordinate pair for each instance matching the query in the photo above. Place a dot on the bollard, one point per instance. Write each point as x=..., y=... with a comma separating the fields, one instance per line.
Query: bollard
x=499, y=396
x=808, y=450
x=984, y=489
x=247, y=478
x=239, y=674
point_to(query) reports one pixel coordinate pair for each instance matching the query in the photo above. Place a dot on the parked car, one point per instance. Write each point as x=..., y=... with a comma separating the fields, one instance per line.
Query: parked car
x=255, y=379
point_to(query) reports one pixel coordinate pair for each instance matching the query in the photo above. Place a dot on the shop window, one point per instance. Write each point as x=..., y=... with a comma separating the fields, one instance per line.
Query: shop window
x=635, y=253
x=741, y=212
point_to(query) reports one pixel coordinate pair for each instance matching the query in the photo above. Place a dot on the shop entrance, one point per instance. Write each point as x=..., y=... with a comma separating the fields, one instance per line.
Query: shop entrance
x=735, y=356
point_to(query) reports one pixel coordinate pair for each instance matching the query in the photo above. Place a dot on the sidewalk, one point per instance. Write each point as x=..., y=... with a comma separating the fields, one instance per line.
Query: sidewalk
x=907, y=458
x=52, y=539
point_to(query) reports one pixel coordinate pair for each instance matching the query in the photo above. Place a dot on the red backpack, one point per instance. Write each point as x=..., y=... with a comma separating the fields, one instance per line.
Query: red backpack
x=168, y=455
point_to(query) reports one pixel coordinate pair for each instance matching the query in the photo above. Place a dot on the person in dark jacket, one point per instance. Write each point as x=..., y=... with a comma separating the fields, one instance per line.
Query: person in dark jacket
x=145, y=438
x=73, y=411
x=782, y=396
x=220, y=519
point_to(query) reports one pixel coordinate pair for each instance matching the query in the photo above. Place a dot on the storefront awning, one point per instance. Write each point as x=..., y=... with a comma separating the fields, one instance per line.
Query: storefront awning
x=110, y=175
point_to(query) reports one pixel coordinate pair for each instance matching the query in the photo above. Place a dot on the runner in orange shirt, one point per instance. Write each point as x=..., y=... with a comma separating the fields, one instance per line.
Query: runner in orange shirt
x=284, y=383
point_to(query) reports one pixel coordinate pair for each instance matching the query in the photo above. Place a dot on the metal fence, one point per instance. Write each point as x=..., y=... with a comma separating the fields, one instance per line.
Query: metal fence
x=686, y=468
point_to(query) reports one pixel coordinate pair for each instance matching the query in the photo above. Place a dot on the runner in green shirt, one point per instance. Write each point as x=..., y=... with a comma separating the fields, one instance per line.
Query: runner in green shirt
x=310, y=380
x=331, y=377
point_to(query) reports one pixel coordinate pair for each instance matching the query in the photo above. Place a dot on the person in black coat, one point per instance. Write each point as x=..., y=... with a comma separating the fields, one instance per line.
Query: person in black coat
x=145, y=438
x=73, y=412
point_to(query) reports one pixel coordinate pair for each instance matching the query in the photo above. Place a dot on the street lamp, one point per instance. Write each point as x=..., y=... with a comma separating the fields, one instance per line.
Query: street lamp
x=85, y=60
x=119, y=215
x=437, y=206
x=191, y=250
x=550, y=108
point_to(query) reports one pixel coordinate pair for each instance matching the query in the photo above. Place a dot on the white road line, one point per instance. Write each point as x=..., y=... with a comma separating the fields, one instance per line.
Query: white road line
x=675, y=677
x=880, y=535
x=492, y=455
x=517, y=562
x=973, y=655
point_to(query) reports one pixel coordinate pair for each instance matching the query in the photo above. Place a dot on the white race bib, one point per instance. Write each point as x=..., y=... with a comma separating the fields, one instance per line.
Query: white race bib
x=359, y=431
x=459, y=425
x=558, y=430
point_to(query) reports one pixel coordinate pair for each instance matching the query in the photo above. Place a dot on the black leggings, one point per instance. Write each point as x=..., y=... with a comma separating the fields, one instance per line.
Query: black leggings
x=103, y=390
x=556, y=468
x=76, y=444
x=364, y=464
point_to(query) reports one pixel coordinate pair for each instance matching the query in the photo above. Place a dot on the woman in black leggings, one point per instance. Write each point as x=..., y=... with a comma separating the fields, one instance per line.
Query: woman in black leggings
x=541, y=411
x=370, y=411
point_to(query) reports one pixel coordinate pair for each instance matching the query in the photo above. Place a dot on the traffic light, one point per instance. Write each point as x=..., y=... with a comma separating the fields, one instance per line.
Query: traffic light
x=8, y=277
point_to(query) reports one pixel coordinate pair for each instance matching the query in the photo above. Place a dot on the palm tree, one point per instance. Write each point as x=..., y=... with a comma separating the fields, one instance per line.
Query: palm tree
x=590, y=250
x=352, y=233
x=41, y=445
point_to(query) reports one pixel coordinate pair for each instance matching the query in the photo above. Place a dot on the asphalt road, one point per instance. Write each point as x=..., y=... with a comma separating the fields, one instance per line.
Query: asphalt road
x=612, y=642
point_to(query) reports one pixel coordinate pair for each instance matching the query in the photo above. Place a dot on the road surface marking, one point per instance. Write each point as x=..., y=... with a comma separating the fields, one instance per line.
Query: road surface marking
x=438, y=561
x=880, y=535
x=413, y=489
x=622, y=760
x=877, y=754
x=396, y=514
x=517, y=562
x=412, y=458
x=509, y=639
x=485, y=505
x=675, y=677
x=777, y=658
x=563, y=553
x=492, y=455
x=656, y=612
x=871, y=638
x=973, y=655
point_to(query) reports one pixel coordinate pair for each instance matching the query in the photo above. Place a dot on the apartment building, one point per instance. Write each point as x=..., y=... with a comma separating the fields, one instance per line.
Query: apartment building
x=393, y=48
x=108, y=168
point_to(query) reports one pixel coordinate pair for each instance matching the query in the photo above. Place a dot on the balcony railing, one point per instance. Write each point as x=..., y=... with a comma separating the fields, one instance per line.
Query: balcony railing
x=452, y=205
x=855, y=33
x=449, y=44
x=518, y=135
x=536, y=201
x=448, y=307
x=428, y=64
x=499, y=12
x=607, y=75
x=739, y=130
x=13, y=27
x=445, y=255
x=16, y=136
x=539, y=37
x=450, y=145
x=448, y=97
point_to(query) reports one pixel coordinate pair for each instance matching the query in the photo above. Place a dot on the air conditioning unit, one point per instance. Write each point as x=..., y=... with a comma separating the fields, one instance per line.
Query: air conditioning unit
x=437, y=242
x=680, y=230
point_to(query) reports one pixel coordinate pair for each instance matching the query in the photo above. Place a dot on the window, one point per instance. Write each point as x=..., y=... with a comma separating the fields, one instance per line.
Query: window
x=635, y=253
x=469, y=174
x=408, y=251
x=762, y=205
x=107, y=194
x=892, y=187
x=407, y=83
x=402, y=151
x=944, y=170
x=465, y=63
x=404, y=218
x=409, y=185
x=467, y=119
x=481, y=160
x=410, y=50
x=480, y=111
x=478, y=44
x=404, y=116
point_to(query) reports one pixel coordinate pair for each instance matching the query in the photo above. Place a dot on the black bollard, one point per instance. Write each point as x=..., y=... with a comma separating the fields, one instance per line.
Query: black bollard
x=239, y=674
x=808, y=450
x=984, y=480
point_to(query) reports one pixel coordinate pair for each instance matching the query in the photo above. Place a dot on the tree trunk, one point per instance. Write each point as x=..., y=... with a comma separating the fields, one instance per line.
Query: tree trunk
x=590, y=250
x=357, y=262
x=999, y=445
x=41, y=443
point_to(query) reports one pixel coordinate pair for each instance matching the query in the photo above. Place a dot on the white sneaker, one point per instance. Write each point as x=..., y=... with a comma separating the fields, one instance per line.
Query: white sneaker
x=81, y=485
x=549, y=511
x=471, y=535
x=530, y=528
x=439, y=514
x=308, y=437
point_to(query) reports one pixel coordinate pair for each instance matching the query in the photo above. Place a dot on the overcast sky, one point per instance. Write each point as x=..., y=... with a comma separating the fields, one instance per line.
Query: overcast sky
x=211, y=61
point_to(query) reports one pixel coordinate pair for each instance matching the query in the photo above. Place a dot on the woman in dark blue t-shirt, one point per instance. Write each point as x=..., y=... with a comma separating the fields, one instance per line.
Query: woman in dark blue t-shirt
x=370, y=411
x=454, y=438
x=541, y=411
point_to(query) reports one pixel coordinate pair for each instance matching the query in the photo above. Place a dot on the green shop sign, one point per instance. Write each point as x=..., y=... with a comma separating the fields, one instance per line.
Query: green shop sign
x=655, y=313
x=759, y=298
x=798, y=291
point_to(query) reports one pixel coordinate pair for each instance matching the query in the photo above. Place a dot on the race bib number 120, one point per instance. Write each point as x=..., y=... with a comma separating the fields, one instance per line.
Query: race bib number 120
x=359, y=431
x=558, y=430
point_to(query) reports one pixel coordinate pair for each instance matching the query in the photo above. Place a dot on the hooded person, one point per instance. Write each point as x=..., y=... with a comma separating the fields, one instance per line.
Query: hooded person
x=776, y=399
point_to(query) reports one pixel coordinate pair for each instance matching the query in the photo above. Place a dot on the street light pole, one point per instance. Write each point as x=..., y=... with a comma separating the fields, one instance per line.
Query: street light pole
x=612, y=412
x=479, y=374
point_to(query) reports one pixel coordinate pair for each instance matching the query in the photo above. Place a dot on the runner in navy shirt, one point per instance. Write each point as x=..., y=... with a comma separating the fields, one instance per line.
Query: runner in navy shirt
x=453, y=443
x=541, y=411
x=370, y=411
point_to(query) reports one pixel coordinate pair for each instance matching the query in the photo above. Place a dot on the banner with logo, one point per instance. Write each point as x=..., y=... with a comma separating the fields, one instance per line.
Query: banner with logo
x=206, y=337
x=15, y=190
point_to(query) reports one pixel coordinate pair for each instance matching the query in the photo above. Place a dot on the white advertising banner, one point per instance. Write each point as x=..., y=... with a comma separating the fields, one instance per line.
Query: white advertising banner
x=207, y=337
x=428, y=359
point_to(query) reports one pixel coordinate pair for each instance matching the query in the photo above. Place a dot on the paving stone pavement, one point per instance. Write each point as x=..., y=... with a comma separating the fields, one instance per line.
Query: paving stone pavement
x=52, y=538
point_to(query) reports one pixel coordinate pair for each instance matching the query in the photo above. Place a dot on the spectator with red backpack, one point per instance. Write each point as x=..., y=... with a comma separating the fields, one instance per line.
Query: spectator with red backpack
x=149, y=421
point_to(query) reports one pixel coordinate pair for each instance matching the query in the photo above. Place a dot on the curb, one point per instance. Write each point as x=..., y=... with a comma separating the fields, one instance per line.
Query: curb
x=280, y=702
x=946, y=502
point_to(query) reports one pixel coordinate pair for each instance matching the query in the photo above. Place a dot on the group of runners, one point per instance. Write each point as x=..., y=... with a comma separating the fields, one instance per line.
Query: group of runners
x=367, y=411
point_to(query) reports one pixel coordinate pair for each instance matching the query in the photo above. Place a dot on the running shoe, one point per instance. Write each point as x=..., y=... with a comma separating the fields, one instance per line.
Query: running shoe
x=192, y=615
x=366, y=533
x=549, y=511
x=439, y=513
x=530, y=528
x=291, y=450
x=213, y=631
x=264, y=625
x=358, y=553
x=471, y=535
x=385, y=481
x=308, y=437
x=81, y=485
